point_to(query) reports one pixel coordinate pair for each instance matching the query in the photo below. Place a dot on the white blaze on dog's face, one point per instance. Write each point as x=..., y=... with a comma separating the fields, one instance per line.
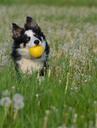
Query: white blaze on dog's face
x=33, y=39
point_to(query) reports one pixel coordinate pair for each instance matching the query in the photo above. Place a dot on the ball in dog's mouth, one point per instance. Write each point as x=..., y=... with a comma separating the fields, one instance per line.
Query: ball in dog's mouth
x=36, y=51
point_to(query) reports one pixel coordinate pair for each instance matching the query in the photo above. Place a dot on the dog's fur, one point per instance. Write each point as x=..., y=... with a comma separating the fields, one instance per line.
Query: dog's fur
x=24, y=38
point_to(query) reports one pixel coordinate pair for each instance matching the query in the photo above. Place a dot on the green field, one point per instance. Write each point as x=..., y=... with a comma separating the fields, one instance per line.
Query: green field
x=67, y=97
x=52, y=2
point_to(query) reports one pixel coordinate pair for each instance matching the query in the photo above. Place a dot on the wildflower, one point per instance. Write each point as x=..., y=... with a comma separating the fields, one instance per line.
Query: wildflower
x=5, y=101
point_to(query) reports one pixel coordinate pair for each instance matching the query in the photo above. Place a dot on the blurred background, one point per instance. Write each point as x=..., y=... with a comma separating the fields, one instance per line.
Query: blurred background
x=52, y=2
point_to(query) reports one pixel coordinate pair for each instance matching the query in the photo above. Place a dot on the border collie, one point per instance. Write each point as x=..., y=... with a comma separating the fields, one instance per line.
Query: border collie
x=23, y=38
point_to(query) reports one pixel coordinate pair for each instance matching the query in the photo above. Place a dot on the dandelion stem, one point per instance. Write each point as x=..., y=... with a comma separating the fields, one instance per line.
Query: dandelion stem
x=67, y=82
x=5, y=116
x=15, y=114
x=45, y=124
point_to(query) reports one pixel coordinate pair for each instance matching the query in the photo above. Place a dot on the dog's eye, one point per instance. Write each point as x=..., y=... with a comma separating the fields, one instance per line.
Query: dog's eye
x=35, y=35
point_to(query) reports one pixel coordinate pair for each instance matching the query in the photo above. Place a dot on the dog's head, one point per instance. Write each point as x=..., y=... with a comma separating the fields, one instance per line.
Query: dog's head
x=29, y=36
x=34, y=33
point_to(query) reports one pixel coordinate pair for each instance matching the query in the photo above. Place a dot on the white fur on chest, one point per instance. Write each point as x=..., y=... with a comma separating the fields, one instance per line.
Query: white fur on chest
x=28, y=65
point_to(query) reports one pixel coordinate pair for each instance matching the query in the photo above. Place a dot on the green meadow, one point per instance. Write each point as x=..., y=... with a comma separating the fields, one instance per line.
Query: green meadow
x=67, y=96
x=52, y=2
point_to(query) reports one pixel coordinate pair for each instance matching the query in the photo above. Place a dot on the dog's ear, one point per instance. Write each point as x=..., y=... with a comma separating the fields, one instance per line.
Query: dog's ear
x=28, y=24
x=15, y=26
x=31, y=24
x=16, y=30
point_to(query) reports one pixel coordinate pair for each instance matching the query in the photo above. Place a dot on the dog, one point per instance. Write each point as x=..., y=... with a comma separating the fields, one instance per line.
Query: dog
x=23, y=38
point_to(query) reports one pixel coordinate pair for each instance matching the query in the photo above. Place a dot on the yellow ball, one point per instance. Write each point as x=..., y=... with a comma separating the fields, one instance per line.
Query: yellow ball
x=36, y=51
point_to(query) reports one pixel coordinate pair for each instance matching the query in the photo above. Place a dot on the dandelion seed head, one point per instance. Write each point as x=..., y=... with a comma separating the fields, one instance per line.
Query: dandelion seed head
x=5, y=101
x=18, y=105
x=18, y=101
x=18, y=97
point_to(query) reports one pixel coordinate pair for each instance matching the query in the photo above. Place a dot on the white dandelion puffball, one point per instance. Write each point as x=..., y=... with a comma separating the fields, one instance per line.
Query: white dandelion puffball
x=18, y=105
x=18, y=97
x=5, y=101
x=18, y=101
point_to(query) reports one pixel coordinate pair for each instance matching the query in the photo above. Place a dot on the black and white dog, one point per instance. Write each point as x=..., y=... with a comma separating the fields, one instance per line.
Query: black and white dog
x=30, y=35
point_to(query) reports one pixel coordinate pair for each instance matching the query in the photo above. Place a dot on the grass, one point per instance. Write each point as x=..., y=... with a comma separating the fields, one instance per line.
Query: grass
x=68, y=97
x=52, y=2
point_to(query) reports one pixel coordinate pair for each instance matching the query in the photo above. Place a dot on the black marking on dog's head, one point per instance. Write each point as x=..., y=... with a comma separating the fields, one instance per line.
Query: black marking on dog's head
x=19, y=35
x=17, y=31
x=32, y=25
